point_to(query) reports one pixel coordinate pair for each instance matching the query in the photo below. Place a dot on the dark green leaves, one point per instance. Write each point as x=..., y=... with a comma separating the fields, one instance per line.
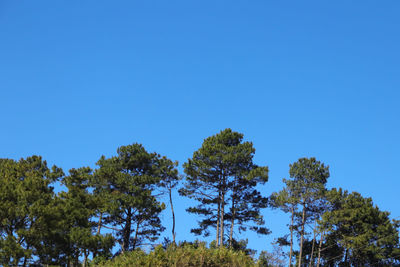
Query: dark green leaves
x=364, y=235
x=222, y=177
x=26, y=208
x=126, y=183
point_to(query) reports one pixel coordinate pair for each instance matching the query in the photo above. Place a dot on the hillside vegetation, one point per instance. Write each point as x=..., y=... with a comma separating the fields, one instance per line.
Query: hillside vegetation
x=182, y=256
x=113, y=211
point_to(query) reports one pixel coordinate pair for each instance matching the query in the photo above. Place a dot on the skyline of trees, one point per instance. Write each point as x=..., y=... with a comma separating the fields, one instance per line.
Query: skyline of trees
x=116, y=207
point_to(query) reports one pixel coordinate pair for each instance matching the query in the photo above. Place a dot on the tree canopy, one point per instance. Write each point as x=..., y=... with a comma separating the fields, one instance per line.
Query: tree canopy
x=115, y=208
x=127, y=183
x=221, y=175
x=358, y=233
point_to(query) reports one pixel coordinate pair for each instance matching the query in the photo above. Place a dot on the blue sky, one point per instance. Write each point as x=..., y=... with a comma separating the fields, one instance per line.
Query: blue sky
x=298, y=78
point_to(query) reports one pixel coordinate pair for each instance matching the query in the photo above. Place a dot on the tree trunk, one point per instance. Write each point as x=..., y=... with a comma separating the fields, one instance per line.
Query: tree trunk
x=291, y=237
x=173, y=216
x=232, y=221
x=222, y=220
x=98, y=230
x=312, y=248
x=76, y=260
x=126, y=234
x=99, y=223
x=85, y=256
x=136, y=236
x=218, y=219
x=302, y=234
x=319, y=249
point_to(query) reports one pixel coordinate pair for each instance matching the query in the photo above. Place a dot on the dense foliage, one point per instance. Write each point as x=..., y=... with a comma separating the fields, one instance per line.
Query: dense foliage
x=222, y=173
x=109, y=214
x=195, y=255
x=126, y=182
x=357, y=232
x=304, y=192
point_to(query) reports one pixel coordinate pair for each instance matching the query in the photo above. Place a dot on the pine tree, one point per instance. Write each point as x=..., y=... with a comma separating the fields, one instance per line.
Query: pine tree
x=127, y=182
x=222, y=174
x=77, y=207
x=169, y=179
x=26, y=210
x=303, y=196
x=358, y=233
x=288, y=203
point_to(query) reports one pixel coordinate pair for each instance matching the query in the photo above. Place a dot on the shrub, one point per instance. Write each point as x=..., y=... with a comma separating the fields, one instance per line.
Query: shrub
x=184, y=255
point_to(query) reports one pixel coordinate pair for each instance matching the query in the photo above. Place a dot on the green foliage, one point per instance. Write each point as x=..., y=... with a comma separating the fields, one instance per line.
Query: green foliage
x=358, y=233
x=39, y=227
x=222, y=174
x=27, y=211
x=241, y=245
x=166, y=170
x=267, y=259
x=307, y=186
x=77, y=207
x=125, y=183
x=169, y=178
x=196, y=255
x=305, y=192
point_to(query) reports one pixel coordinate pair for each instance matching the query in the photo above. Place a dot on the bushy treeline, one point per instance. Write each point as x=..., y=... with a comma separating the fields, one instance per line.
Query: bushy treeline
x=185, y=255
x=114, y=209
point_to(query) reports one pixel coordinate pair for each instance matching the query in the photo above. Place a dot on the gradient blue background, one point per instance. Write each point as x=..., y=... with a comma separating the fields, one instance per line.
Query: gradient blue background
x=298, y=78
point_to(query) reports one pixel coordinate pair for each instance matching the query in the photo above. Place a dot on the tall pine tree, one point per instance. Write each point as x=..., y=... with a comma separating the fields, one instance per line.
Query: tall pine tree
x=222, y=177
x=127, y=183
x=169, y=178
x=304, y=192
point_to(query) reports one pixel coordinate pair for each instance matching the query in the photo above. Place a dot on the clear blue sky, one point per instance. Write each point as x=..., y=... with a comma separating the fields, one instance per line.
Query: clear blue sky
x=298, y=78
